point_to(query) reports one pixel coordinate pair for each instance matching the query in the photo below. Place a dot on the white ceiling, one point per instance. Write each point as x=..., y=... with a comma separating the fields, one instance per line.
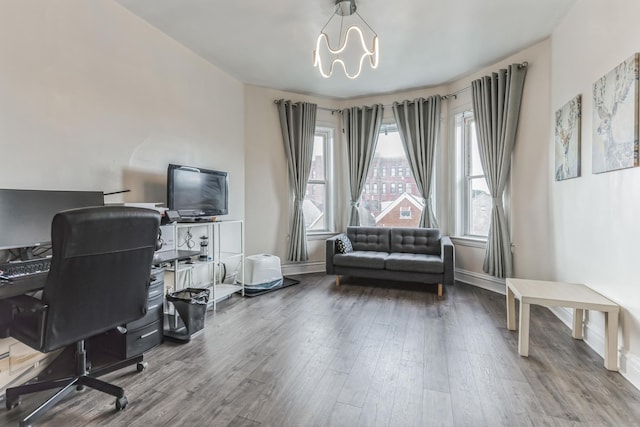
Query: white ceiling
x=422, y=42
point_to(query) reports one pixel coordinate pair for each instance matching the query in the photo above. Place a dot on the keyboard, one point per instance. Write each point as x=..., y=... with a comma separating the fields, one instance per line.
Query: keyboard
x=12, y=270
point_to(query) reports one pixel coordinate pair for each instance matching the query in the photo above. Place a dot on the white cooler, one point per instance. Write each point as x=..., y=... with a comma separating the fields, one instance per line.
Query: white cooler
x=262, y=272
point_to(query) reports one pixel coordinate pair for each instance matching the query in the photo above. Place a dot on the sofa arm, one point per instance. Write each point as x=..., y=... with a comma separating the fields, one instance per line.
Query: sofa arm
x=330, y=252
x=447, y=254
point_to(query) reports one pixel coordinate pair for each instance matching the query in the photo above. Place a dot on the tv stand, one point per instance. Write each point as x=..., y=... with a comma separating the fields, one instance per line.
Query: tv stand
x=191, y=219
x=221, y=256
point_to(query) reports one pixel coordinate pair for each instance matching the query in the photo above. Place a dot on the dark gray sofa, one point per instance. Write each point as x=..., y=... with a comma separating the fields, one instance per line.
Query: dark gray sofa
x=404, y=254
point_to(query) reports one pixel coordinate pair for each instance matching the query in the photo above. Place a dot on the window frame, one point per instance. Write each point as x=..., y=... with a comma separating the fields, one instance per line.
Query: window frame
x=328, y=134
x=463, y=120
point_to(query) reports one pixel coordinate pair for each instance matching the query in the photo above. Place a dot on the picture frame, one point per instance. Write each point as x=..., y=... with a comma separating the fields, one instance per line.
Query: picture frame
x=615, y=118
x=568, y=125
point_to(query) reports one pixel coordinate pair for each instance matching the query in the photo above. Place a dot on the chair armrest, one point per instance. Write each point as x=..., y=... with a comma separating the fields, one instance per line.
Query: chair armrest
x=27, y=303
x=447, y=254
x=330, y=252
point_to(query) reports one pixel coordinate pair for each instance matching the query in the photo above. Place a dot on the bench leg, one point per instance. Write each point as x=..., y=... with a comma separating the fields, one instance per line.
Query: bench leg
x=439, y=289
x=523, y=337
x=511, y=310
x=611, y=340
x=578, y=316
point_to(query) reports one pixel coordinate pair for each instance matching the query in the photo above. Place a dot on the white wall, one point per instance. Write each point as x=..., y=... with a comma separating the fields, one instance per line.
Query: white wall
x=94, y=98
x=595, y=231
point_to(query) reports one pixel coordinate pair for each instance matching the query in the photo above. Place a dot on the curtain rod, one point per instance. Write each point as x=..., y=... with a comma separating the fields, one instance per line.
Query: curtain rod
x=453, y=95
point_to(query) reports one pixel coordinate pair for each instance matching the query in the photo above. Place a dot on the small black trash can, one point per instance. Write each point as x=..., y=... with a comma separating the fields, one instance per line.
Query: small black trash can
x=191, y=305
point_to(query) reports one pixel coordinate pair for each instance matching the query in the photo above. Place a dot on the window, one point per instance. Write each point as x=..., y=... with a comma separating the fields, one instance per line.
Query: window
x=317, y=201
x=408, y=188
x=375, y=171
x=475, y=199
x=366, y=188
x=385, y=208
x=405, y=212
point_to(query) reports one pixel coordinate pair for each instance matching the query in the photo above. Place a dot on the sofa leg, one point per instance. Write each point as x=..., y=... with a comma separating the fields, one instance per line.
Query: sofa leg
x=337, y=280
x=439, y=289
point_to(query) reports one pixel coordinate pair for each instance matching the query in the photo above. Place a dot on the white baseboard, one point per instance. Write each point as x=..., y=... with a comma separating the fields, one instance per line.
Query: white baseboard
x=594, y=337
x=630, y=368
x=304, y=268
x=481, y=280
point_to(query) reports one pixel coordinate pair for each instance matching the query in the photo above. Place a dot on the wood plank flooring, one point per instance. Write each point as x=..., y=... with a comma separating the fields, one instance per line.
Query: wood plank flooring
x=362, y=354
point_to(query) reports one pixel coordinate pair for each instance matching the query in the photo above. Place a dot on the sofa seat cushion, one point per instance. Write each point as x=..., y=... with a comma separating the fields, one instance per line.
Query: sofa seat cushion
x=419, y=263
x=361, y=259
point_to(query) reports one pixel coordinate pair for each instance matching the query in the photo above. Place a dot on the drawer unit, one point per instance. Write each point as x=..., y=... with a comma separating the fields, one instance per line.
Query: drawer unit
x=142, y=334
x=154, y=313
x=133, y=343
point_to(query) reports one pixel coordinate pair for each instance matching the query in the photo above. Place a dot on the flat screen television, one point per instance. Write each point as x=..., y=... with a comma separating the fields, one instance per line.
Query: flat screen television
x=197, y=192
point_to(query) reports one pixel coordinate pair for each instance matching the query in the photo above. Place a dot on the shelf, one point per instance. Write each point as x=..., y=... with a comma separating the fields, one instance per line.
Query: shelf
x=225, y=246
x=223, y=290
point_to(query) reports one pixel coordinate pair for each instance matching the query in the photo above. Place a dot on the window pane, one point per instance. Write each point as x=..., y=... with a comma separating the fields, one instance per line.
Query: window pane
x=479, y=207
x=317, y=163
x=475, y=165
x=393, y=205
x=313, y=207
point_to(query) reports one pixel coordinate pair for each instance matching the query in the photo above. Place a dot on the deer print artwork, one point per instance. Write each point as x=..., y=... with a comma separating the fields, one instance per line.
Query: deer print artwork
x=615, y=110
x=568, y=140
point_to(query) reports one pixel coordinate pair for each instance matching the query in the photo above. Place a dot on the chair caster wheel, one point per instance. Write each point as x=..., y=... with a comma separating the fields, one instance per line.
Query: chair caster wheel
x=79, y=387
x=10, y=404
x=121, y=403
x=141, y=366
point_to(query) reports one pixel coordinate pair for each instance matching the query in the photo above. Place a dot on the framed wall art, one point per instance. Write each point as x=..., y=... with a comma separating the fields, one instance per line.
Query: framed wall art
x=567, y=141
x=615, y=118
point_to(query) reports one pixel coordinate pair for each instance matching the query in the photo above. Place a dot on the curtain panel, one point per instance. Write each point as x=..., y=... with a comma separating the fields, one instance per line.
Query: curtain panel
x=419, y=126
x=298, y=125
x=496, y=104
x=361, y=127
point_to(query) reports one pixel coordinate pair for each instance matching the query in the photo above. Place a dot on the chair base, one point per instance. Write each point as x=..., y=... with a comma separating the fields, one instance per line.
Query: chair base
x=66, y=386
x=82, y=379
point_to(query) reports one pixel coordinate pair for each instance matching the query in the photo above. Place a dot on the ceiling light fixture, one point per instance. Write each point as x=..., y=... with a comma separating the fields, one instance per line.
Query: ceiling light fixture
x=324, y=53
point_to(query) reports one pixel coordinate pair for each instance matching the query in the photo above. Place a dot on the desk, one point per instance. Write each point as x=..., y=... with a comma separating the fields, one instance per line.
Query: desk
x=34, y=282
x=578, y=297
x=22, y=285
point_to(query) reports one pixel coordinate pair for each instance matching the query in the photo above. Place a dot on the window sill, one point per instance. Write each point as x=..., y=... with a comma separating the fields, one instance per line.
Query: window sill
x=470, y=241
x=321, y=235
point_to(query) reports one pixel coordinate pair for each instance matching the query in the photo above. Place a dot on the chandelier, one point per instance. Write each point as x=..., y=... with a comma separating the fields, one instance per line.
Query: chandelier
x=351, y=45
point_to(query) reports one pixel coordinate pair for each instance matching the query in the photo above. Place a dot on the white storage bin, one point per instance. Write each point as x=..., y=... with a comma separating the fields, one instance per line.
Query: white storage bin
x=262, y=272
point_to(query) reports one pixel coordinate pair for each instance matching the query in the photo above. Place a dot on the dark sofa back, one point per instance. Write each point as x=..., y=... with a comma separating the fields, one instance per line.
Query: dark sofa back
x=416, y=240
x=369, y=238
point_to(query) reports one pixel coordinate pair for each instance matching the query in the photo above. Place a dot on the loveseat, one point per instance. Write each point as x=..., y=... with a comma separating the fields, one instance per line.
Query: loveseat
x=404, y=254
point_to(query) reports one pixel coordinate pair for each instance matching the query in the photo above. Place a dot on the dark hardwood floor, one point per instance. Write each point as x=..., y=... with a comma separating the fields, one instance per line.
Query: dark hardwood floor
x=362, y=354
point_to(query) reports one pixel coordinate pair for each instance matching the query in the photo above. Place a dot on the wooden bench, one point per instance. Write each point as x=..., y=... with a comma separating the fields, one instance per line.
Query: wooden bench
x=578, y=297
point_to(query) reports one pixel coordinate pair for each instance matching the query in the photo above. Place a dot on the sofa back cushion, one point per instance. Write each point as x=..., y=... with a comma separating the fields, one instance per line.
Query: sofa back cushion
x=369, y=238
x=415, y=240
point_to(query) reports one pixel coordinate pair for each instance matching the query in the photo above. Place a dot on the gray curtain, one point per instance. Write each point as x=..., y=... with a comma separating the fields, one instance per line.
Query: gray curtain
x=496, y=105
x=298, y=125
x=419, y=125
x=361, y=129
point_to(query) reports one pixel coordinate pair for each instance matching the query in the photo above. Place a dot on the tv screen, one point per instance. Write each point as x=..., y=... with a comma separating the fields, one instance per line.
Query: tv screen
x=195, y=192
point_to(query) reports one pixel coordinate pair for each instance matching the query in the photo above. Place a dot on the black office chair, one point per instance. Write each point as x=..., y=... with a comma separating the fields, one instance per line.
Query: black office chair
x=99, y=278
